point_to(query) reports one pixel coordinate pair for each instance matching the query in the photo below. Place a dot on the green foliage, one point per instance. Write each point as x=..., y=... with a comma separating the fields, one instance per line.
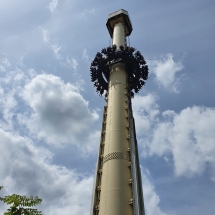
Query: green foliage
x=21, y=205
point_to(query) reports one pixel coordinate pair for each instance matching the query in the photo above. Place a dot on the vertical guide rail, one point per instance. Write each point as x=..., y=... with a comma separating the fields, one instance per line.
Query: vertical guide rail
x=139, y=177
x=135, y=167
x=98, y=171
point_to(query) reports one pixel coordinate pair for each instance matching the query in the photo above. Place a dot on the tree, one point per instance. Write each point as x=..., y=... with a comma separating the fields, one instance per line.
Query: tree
x=21, y=205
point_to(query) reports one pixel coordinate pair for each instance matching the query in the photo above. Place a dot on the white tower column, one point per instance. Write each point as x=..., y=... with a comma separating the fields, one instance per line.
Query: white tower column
x=116, y=191
x=119, y=35
x=118, y=185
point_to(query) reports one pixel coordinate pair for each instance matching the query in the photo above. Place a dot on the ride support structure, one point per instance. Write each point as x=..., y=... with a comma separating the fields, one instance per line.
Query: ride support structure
x=118, y=72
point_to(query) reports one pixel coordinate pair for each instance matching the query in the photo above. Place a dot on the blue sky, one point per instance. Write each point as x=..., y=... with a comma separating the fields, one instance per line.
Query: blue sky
x=50, y=114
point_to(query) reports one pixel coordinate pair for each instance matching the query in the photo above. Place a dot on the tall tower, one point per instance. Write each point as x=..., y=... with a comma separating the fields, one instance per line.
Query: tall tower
x=118, y=71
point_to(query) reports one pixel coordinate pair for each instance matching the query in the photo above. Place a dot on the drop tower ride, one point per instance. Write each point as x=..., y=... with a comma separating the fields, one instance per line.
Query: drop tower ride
x=118, y=72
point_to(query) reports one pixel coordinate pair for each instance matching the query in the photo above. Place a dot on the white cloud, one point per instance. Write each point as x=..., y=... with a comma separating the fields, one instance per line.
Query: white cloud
x=31, y=172
x=85, y=56
x=55, y=112
x=58, y=110
x=2, y=68
x=53, y=5
x=151, y=198
x=145, y=111
x=10, y=85
x=165, y=72
x=189, y=136
x=56, y=48
x=45, y=35
x=73, y=63
x=87, y=11
x=27, y=170
x=60, y=114
x=8, y=105
x=4, y=64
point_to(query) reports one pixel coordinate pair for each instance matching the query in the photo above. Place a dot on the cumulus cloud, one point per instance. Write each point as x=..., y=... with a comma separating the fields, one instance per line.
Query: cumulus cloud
x=27, y=170
x=145, y=110
x=61, y=118
x=8, y=105
x=165, y=72
x=151, y=198
x=31, y=172
x=10, y=84
x=59, y=113
x=189, y=137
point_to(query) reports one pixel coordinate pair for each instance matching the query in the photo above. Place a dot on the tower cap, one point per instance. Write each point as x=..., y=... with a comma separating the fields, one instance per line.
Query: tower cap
x=119, y=16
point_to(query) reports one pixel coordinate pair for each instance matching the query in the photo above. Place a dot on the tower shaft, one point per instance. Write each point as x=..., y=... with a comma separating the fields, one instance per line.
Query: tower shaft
x=115, y=188
x=119, y=35
x=118, y=185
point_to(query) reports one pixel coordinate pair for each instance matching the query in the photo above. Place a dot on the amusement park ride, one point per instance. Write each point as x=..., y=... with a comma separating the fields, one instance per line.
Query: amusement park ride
x=118, y=72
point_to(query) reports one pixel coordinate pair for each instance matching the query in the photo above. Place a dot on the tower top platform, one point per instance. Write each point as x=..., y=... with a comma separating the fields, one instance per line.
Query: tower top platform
x=119, y=16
